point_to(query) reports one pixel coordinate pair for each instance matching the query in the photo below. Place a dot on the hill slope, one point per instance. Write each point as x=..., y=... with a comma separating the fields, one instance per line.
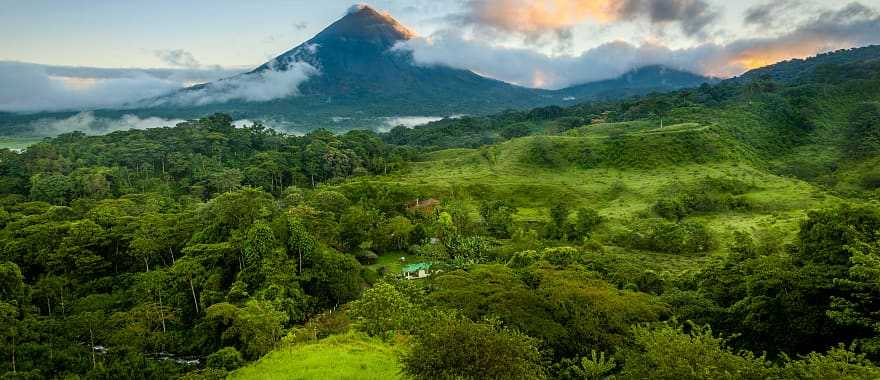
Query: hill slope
x=337, y=357
x=792, y=70
x=639, y=81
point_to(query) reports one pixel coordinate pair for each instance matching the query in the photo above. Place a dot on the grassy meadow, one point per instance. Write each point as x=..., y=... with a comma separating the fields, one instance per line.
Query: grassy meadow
x=340, y=357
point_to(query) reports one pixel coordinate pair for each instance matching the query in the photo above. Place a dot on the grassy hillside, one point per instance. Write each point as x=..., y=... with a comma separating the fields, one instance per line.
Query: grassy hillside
x=639, y=164
x=340, y=357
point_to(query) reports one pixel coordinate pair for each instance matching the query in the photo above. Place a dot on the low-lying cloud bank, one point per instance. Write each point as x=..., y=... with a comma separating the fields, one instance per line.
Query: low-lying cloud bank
x=27, y=87
x=854, y=24
x=90, y=124
x=278, y=81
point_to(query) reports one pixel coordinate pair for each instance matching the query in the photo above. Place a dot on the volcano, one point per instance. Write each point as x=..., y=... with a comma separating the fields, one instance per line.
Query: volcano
x=353, y=73
x=357, y=62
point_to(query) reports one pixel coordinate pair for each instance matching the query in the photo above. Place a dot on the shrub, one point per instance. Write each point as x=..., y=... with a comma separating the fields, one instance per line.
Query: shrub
x=871, y=180
x=586, y=222
x=561, y=256
x=456, y=348
x=523, y=259
x=227, y=358
x=708, y=195
x=668, y=237
x=383, y=309
x=669, y=353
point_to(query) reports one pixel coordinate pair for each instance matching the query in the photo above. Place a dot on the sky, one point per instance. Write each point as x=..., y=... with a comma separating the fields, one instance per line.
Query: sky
x=69, y=54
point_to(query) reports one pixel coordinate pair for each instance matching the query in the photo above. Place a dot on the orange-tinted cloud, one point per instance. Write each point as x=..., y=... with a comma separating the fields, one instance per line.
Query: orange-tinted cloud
x=537, y=17
x=844, y=28
x=540, y=16
x=767, y=55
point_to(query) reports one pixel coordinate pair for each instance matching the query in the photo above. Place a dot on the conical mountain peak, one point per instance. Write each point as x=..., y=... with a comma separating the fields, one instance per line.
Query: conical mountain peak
x=363, y=23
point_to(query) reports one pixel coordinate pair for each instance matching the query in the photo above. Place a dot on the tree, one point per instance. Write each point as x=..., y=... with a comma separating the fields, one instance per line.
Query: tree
x=257, y=325
x=12, y=285
x=456, y=348
x=859, y=306
x=226, y=358
x=149, y=287
x=358, y=224
x=12, y=291
x=226, y=180
x=52, y=188
x=838, y=363
x=557, y=227
x=328, y=200
x=587, y=221
x=9, y=331
x=667, y=352
x=259, y=243
x=498, y=216
x=658, y=106
x=189, y=269
x=383, y=309
x=332, y=278
x=863, y=132
x=825, y=235
x=300, y=242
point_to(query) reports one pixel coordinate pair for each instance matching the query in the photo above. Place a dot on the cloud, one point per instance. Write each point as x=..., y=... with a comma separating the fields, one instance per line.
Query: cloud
x=536, y=19
x=533, y=69
x=356, y=8
x=388, y=123
x=765, y=14
x=178, y=58
x=27, y=87
x=851, y=25
x=692, y=15
x=302, y=25
x=90, y=124
x=275, y=82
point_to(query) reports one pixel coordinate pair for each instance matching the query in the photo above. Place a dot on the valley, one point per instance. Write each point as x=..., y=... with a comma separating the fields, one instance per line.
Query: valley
x=384, y=218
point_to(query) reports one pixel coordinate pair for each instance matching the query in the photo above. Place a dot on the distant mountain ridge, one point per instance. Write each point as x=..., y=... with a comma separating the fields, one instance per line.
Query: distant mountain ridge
x=791, y=70
x=638, y=81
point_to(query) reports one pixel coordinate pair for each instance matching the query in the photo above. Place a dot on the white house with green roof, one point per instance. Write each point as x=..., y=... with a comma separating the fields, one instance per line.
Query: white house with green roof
x=417, y=270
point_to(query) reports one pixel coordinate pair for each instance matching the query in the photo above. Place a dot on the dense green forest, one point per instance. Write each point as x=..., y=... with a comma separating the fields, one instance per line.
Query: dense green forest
x=729, y=231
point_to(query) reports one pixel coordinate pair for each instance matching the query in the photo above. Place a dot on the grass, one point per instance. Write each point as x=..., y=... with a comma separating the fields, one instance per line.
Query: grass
x=620, y=194
x=341, y=357
x=391, y=261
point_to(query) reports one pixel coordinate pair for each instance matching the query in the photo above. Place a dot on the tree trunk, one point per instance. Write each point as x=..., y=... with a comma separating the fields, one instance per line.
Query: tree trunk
x=13, y=354
x=92, y=338
x=161, y=312
x=193, y=290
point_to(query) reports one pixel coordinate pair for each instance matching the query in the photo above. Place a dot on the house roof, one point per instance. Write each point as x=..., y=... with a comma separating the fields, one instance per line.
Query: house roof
x=415, y=267
x=423, y=203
